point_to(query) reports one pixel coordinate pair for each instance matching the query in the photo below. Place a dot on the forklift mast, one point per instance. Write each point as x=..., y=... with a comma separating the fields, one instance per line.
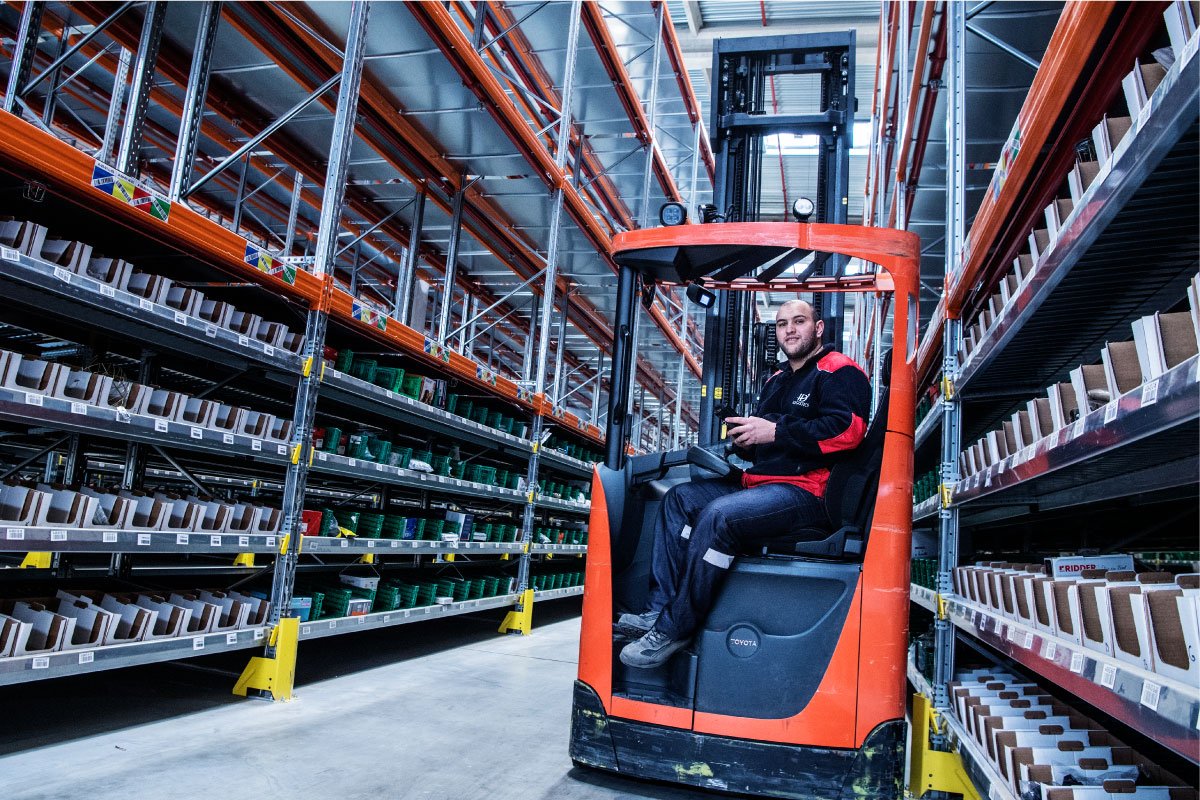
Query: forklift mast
x=819, y=68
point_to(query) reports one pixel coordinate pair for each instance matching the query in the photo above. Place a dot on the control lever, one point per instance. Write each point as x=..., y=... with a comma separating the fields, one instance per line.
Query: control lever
x=707, y=463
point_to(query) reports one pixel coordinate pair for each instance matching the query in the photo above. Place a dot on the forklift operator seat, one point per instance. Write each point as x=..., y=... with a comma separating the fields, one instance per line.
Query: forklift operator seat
x=849, y=500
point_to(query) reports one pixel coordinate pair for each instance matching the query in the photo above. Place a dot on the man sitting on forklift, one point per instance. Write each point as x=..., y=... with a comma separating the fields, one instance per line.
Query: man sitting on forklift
x=809, y=414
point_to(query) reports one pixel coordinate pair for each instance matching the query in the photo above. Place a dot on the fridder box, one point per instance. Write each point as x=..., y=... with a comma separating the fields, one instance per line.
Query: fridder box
x=1072, y=566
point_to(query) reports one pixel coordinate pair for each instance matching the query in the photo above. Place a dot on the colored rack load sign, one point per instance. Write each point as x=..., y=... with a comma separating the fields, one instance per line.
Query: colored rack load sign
x=129, y=191
x=263, y=261
x=436, y=350
x=484, y=374
x=368, y=316
x=525, y=394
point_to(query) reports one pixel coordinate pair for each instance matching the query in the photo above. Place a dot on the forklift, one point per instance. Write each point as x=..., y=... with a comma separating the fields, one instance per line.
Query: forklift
x=794, y=686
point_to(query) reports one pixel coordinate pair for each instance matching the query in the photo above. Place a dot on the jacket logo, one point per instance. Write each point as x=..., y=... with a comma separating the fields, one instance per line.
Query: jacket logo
x=801, y=400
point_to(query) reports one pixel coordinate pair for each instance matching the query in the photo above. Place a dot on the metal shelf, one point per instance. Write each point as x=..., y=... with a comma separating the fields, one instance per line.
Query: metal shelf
x=328, y=545
x=351, y=391
x=557, y=594
x=982, y=772
x=562, y=462
x=38, y=667
x=567, y=506
x=87, y=540
x=578, y=549
x=931, y=423
x=1141, y=210
x=401, y=616
x=926, y=508
x=45, y=288
x=1162, y=709
x=358, y=469
x=92, y=420
x=918, y=680
x=926, y=598
x=1064, y=468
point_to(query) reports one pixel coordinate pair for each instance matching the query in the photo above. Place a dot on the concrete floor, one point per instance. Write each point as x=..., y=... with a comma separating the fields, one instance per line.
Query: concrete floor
x=445, y=711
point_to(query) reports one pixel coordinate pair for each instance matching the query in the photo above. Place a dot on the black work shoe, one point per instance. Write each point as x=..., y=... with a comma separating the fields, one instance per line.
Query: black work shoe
x=650, y=651
x=635, y=626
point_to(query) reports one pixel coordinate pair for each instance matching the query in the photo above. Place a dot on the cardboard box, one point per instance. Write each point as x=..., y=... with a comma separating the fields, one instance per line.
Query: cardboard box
x=1039, y=244
x=1066, y=611
x=14, y=636
x=1041, y=421
x=92, y=623
x=1173, y=630
x=205, y=616
x=1022, y=430
x=48, y=632
x=1047, y=736
x=1067, y=763
x=362, y=582
x=1131, y=617
x=1063, y=408
x=172, y=619
x=1140, y=83
x=358, y=607
x=1023, y=267
x=1163, y=341
x=1090, y=386
x=464, y=524
x=1041, y=597
x=1180, y=17
x=1095, y=616
x=1081, y=176
x=233, y=612
x=1107, y=135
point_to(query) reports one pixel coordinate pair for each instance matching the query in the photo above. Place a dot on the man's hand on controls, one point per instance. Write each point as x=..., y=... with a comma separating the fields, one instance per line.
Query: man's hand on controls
x=750, y=431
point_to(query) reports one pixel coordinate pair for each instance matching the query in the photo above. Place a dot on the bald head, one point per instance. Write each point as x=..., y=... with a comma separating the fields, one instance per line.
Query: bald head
x=798, y=331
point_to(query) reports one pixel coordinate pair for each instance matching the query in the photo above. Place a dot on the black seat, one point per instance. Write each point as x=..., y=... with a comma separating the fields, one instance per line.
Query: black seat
x=849, y=495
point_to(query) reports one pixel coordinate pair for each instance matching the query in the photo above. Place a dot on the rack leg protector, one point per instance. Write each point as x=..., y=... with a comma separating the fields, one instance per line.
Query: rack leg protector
x=273, y=678
x=933, y=770
x=636, y=749
x=520, y=621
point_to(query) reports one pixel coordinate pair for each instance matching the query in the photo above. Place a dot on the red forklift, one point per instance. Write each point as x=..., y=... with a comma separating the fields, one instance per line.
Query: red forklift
x=794, y=686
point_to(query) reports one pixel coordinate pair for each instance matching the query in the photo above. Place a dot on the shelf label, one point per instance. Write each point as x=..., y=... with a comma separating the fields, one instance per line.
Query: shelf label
x=34, y=399
x=407, y=613
x=1078, y=429
x=305, y=631
x=145, y=305
x=268, y=350
x=130, y=191
x=1077, y=660
x=343, y=543
x=243, y=341
x=58, y=536
x=227, y=438
x=1189, y=49
x=210, y=331
x=197, y=433
x=332, y=624
x=1144, y=113
x=79, y=408
x=1110, y=411
x=143, y=540
x=243, y=541
x=180, y=318
x=370, y=544
x=1028, y=640
x=387, y=618
x=259, y=633
x=107, y=291
x=1151, y=692
x=395, y=544
x=322, y=456
x=62, y=274
x=1150, y=393
x=270, y=541
x=42, y=662
x=231, y=638
x=182, y=538
x=197, y=642
x=161, y=426
x=1108, y=676
x=109, y=537
x=16, y=534
x=256, y=445
x=214, y=541
x=281, y=449
x=8, y=254
x=87, y=657
x=353, y=462
x=362, y=620
x=379, y=467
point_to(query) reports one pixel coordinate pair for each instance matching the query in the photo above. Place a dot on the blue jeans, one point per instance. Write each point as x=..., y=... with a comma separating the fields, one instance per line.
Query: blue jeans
x=702, y=525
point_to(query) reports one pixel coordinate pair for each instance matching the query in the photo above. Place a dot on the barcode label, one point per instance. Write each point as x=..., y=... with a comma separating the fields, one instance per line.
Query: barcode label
x=16, y=534
x=332, y=624
x=1144, y=114
x=281, y=449
x=144, y=304
x=1150, y=393
x=1189, y=49
x=268, y=349
x=1108, y=676
x=210, y=331
x=62, y=274
x=370, y=544
x=34, y=399
x=270, y=541
x=259, y=633
x=344, y=542
x=1049, y=650
x=214, y=541
x=109, y=537
x=79, y=408
x=1028, y=640
x=182, y=538
x=322, y=457
x=1077, y=660
x=58, y=536
x=197, y=642
x=231, y=638
x=8, y=254
x=1110, y=412
x=243, y=541
x=161, y=426
x=256, y=444
x=143, y=540
x=1080, y=426
x=362, y=620
x=180, y=318
x=379, y=467
x=197, y=433
x=243, y=341
x=353, y=462
x=227, y=438
x=1151, y=692
x=107, y=291
x=87, y=658
x=395, y=544
x=41, y=663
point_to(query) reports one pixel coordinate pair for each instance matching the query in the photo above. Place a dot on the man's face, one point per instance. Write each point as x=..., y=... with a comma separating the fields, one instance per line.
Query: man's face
x=796, y=331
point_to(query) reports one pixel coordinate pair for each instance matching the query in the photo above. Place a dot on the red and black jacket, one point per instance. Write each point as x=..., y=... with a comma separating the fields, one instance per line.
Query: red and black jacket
x=819, y=411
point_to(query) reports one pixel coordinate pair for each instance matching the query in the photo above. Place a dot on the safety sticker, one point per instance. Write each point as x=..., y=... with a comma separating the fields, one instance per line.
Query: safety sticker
x=263, y=261
x=130, y=191
x=369, y=316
